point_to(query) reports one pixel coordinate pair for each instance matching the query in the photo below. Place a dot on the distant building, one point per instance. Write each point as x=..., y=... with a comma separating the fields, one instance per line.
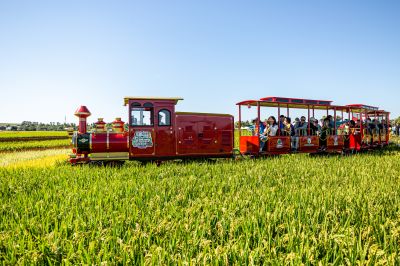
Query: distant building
x=11, y=128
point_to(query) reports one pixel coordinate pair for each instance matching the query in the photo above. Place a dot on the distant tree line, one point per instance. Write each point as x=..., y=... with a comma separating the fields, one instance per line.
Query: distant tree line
x=56, y=126
x=247, y=123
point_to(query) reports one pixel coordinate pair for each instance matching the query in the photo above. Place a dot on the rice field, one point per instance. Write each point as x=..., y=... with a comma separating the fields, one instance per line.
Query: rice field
x=10, y=146
x=31, y=134
x=292, y=209
x=32, y=140
x=39, y=159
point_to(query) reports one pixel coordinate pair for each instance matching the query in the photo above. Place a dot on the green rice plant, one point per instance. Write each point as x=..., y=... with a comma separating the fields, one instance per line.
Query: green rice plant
x=7, y=136
x=36, y=158
x=292, y=209
x=10, y=146
x=395, y=139
x=244, y=132
x=29, y=134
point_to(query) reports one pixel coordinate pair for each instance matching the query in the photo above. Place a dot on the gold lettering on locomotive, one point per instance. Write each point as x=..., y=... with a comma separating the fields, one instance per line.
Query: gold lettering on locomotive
x=142, y=140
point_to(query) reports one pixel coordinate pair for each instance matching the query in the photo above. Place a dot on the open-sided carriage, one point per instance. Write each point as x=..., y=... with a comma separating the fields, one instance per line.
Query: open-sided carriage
x=339, y=139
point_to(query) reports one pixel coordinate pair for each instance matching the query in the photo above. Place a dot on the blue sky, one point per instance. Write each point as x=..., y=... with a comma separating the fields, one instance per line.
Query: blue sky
x=57, y=55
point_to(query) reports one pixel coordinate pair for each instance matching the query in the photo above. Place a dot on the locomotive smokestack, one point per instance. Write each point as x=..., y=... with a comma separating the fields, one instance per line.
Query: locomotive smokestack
x=82, y=112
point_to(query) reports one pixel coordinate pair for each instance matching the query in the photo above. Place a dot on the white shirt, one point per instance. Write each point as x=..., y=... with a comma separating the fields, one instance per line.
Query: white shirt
x=272, y=130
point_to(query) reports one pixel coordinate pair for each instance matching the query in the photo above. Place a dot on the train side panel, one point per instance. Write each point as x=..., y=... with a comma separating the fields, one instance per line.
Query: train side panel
x=204, y=135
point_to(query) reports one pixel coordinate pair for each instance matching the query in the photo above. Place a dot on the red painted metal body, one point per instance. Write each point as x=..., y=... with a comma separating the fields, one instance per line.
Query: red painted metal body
x=109, y=142
x=338, y=140
x=185, y=135
x=83, y=113
x=204, y=134
x=335, y=143
x=157, y=132
x=278, y=145
x=308, y=144
x=249, y=145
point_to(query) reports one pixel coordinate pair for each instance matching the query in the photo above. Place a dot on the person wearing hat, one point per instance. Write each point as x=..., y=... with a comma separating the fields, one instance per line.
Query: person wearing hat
x=296, y=122
x=301, y=129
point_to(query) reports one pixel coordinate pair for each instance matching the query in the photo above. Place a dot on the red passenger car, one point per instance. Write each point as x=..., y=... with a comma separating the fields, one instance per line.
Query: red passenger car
x=349, y=138
x=155, y=132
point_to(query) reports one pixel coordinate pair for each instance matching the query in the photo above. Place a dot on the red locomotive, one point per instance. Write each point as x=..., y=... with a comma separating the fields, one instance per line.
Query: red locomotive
x=156, y=132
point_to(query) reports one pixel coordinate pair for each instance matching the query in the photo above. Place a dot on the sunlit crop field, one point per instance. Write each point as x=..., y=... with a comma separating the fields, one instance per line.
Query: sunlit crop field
x=32, y=145
x=289, y=209
x=39, y=159
x=30, y=134
x=32, y=140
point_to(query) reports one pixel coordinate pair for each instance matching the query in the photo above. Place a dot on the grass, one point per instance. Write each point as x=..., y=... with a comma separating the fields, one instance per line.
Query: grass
x=290, y=209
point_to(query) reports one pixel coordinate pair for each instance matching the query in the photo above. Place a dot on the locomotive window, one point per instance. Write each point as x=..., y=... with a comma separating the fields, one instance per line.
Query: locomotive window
x=141, y=116
x=147, y=105
x=164, y=117
x=135, y=104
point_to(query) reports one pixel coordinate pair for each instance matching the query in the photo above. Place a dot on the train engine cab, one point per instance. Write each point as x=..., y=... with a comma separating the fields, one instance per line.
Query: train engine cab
x=154, y=132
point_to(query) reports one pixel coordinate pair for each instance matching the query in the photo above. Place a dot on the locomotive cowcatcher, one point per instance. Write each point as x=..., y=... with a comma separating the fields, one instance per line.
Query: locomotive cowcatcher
x=155, y=132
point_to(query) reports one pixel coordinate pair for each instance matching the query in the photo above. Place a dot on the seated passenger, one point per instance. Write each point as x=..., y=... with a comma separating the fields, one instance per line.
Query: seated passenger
x=368, y=126
x=346, y=128
x=289, y=128
x=272, y=126
x=314, y=126
x=374, y=126
x=254, y=126
x=301, y=129
x=331, y=121
x=377, y=128
x=270, y=131
x=383, y=126
x=353, y=127
x=263, y=126
x=296, y=122
x=281, y=123
x=289, y=131
x=358, y=123
x=324, y=133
